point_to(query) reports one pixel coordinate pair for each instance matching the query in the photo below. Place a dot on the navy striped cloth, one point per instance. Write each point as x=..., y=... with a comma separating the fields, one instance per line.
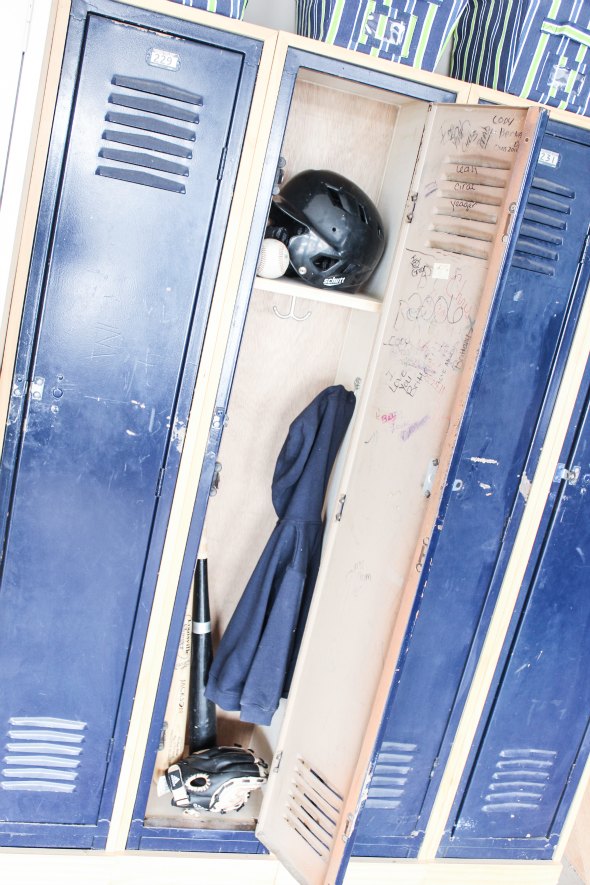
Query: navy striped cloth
x=538, y=49
x=552, y=64
x=231, y=8
x=486, y=41
x=414, y=32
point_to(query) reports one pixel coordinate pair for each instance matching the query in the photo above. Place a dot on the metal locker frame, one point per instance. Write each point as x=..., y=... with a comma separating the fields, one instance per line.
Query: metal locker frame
x=260, y=871
x=254, y=46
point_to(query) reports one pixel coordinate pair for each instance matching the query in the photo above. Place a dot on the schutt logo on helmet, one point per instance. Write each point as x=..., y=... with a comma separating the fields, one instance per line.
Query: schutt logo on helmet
x=331, y=228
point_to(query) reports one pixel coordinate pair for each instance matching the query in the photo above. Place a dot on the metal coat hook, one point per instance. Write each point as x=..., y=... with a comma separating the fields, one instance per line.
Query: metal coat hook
x=291, y=314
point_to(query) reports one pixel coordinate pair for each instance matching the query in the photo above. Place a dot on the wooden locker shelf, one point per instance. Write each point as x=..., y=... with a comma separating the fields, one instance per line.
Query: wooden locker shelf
x=295, y=289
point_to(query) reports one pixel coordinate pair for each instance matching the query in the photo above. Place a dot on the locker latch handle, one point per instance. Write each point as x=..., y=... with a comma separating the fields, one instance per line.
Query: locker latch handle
x=570, y=476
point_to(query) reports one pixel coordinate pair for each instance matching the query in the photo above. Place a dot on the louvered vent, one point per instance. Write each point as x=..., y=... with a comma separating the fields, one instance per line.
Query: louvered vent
x=313, y=809
x=543, y=227
x=466, y=208
x=390, y=775
x=519, y=780
x=154, y=122
x=42, y=754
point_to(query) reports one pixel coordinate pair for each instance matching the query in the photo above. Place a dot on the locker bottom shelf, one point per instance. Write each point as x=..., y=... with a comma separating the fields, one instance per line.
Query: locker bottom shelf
x=167, y=828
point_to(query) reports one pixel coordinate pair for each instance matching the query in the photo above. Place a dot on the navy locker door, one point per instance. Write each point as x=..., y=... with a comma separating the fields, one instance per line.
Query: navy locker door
x=534, y=733
x=128, y=242
x=459, y=580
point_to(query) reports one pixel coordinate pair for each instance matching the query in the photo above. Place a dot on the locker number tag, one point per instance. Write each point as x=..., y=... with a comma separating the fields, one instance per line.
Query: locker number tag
x=161, y=58
x=549, y=158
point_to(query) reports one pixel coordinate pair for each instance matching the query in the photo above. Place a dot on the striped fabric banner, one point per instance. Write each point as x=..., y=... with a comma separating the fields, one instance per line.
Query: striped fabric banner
x=485, y=42
x=414, y=32
x=231, y=8
x=552, y=63
x=539, y=49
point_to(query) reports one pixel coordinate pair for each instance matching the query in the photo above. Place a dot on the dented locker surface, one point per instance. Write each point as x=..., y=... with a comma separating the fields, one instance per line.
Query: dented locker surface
x=522, y=359
x=534, y=740
x=147, y=109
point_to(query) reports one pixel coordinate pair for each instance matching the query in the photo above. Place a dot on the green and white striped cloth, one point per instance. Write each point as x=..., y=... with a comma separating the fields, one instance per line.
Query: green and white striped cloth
x=231, y=8
x=552, y=64
x=414, y=32
x=539, y=49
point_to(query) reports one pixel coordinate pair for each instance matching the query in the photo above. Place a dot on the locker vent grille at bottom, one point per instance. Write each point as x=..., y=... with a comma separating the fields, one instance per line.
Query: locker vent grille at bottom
x=390, y=775
x=154, y=115
x=313, y=809
x=42, y=754
x=519, y=779
x=544, y=225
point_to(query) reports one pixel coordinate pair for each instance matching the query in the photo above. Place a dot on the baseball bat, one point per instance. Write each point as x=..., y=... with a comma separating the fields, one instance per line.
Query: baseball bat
x=202, y=725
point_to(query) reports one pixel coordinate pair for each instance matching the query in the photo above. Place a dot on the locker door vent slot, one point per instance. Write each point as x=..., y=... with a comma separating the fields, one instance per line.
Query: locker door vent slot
x=155, y=87
x=465, y=211
x=42, y=754
x=390, y=775
x=541, y=234
x=313, y=809
x=519, y=780
x=154, y=115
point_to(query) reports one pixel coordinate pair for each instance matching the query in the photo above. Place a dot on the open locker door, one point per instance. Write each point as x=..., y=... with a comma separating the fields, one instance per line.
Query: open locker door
x=470, y=176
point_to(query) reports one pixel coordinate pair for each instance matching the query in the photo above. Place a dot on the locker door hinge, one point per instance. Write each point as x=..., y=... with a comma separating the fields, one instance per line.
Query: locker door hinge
x=349, y=826
x=412, y=207
x=586, y=249
x=19, y=387
x=429, y=478
x=214, y=488
x=110, y=750
x=341, y=503
x=36, y=387
x=570, y=476
x=422, y=556
x=279, y=175
x=222, y=160
x=277, y=762
x=160, y=482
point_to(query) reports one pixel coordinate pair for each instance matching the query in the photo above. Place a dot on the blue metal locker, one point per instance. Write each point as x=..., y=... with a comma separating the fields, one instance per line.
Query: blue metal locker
x=534, y=740
x=142, y=835
x=498, y=447
x=148, y=127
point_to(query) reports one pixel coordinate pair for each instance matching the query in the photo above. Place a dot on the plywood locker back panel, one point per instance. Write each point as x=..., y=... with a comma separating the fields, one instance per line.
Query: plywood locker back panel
x=533, y=741
x=530, y=329
x=127, y=243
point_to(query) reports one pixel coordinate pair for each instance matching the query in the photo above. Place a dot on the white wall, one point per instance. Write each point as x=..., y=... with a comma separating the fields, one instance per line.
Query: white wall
x=278, y=14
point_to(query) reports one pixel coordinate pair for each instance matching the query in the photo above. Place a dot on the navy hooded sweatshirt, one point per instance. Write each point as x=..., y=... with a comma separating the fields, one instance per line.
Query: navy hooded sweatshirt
x=256, y=655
